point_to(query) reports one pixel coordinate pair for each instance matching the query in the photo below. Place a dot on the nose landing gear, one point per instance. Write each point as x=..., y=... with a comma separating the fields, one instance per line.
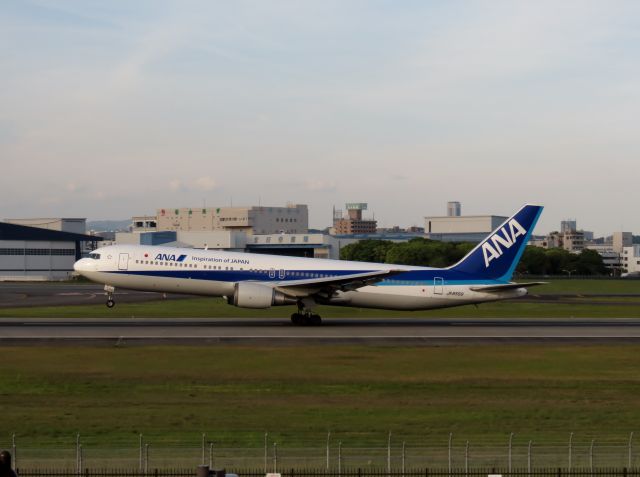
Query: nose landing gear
x=109, y=292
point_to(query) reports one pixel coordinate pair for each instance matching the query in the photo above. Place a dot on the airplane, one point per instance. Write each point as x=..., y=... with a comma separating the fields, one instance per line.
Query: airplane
x=260, y=281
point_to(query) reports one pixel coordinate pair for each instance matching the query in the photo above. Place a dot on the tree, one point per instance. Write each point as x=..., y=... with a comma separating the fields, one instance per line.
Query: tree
x=366, y=251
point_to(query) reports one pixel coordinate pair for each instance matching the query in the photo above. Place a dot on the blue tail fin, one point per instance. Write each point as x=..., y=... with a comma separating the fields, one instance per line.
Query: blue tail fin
x=496, y=256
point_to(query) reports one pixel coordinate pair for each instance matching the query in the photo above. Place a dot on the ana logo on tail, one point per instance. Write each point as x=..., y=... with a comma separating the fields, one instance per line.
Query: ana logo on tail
x=501, y=240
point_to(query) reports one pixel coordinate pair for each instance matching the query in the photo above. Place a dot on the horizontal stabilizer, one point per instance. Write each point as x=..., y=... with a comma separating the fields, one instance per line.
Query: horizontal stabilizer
x=505, y=287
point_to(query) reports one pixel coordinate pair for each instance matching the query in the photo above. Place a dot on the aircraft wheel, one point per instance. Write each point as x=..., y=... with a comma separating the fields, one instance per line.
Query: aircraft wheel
x=110, y=303
x=314, y=320
x=297, y=319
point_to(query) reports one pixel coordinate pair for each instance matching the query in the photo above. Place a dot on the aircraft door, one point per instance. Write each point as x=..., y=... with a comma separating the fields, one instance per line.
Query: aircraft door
x=438, y=286
x=281, y=274
x=272, y=273
x=123, y=261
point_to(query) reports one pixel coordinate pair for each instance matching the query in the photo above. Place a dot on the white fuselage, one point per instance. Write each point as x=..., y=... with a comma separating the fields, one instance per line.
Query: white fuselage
x=216, y=273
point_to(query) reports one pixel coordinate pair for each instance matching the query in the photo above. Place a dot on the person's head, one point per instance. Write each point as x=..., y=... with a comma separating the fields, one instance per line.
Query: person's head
x=5, y=459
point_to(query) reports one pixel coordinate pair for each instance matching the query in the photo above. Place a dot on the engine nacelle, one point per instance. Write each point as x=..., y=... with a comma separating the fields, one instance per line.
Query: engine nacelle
x=255, y=295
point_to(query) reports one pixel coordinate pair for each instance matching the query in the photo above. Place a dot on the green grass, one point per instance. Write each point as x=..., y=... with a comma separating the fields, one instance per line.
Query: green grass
x=213, y=307
x=172, y=394
x=585, y=286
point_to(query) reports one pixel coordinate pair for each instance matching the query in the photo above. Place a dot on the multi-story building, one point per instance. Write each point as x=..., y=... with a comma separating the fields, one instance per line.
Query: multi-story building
x=631, y=259
x=354, y=224
x=621, y=240
x=569, y=238
x=294, y=218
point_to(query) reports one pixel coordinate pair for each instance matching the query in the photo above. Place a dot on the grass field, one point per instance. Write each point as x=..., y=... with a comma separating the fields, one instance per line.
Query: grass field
x=172, y=394
x=216, y=307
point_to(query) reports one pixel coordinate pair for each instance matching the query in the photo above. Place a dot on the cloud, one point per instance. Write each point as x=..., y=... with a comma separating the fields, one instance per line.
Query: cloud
x=205, y=183
x=177, y=185
x=319, y=185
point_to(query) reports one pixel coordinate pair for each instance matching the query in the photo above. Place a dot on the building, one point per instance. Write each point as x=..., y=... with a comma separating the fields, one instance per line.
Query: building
x=298, y=245
x=454, y=209
x=455, y=227
x=631, y=259
x=621, y=240
x=144, y=223
x=353, y=223
x=568, y=225
x=573, y=241
x=34, y=253
x=71, y=225
x=294, y=218
x=568, y=238
x=612, y=260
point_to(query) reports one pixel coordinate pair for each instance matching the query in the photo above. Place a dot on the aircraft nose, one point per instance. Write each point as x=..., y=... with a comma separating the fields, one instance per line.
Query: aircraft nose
x=84, y=265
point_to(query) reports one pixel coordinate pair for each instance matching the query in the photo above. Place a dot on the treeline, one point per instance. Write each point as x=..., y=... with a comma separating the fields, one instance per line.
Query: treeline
x=432, y=253
x=417, y=251
x=557, y=261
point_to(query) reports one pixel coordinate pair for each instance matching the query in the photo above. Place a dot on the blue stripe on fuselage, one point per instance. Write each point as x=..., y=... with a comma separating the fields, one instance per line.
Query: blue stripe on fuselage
x=408, y=278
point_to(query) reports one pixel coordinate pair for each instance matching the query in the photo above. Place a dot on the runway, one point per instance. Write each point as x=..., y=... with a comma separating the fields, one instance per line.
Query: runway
x=280, y=332
x=30, y=294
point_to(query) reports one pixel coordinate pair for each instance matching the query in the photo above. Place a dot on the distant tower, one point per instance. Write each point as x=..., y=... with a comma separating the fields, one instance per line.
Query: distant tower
x=454, y=209
x=568, y=226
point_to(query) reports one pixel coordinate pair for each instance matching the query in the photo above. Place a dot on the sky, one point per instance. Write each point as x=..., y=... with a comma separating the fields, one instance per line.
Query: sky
x=110, y=109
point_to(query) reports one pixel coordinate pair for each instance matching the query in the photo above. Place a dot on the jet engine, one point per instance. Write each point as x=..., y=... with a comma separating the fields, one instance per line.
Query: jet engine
x=255, y=295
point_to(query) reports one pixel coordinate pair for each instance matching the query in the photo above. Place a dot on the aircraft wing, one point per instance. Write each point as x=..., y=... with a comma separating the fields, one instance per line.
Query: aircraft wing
x=302, y=288
x=505, y=287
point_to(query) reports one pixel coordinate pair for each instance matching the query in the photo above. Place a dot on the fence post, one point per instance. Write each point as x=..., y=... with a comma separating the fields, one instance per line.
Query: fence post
x=204, y=436
x=389, y=454
x=450, y=438
x=510, y=446
x=275, y=457
x=630, y=450
x=78, y=463
x=14, y=451
x=340, y=458
x=80, y=459
x=146, y=458
x=266, y=434
x=403, y=458
x=591, y=456
x=328, y=440
x=211, y=455
x=203, y=471
x=570, y=449
x=141, y=455
x=466, y=459
x=529, y=459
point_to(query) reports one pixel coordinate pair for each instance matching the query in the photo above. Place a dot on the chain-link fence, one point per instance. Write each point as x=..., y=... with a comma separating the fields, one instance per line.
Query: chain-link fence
x=332, y=457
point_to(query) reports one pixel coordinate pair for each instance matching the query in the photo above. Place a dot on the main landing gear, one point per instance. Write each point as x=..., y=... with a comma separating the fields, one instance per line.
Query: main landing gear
x=305, y=315
x=306, y=319
x=109, y=292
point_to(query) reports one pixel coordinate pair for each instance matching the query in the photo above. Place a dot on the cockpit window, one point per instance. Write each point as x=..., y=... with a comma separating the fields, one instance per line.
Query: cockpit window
x=95, y=256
